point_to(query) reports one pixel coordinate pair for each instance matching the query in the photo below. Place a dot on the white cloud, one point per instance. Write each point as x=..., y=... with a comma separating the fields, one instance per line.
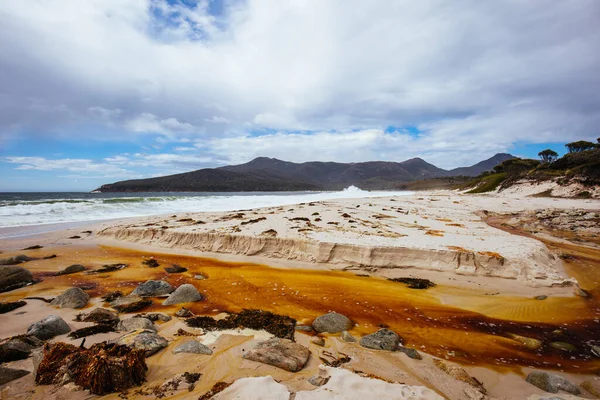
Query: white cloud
x=65, y=164
x=477, y=76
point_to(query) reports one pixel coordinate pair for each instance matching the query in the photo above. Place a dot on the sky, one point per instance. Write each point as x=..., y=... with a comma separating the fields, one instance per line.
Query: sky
x=98, y=91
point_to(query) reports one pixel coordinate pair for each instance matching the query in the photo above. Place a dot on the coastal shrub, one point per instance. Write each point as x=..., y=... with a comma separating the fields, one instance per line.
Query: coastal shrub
x=488, y=183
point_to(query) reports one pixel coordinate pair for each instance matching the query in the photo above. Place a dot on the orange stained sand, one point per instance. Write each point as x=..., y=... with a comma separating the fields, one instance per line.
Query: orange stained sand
x=469, y=336
x=434, y=232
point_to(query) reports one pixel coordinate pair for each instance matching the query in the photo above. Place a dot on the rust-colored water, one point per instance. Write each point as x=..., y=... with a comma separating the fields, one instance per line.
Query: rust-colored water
x=417, y=315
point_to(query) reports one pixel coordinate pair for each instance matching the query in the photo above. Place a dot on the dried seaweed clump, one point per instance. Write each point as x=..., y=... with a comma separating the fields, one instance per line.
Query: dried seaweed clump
x=281, y=326
x=91, y=330
x=216, y=389
x=101, y=369
x=414, y=283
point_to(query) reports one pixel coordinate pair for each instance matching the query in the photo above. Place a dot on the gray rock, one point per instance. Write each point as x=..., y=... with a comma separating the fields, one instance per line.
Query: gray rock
x=143, y=339
x=186, y=293
x=130, y=303
x=411, y=353
x=194, y=347
x=134, y=323
x=37, y=355
x=19, y=348
x=153, y=289
x=72, y=298
x=156, y=316
x=551, y=383
x=49, y=327
x=71, y=269
x=13, y=278
x=595, y=350
x=332, y=323
x=541, y=297
x=319, y=341
x=319, y=379
x=100, y=316
x=11, y=374
x=21, y=258
x=347, y=337
x=383, y=339
x=184, y=313
x=280, y=353
x=199, y=277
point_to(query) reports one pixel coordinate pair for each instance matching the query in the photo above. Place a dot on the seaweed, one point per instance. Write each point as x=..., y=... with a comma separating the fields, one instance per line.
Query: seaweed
x=216, y=389
x=108, y=268
x=103, y=368
x=10, y=306
x=91, y=330
x=151, y=263
x=414, y=283
x=278, y=325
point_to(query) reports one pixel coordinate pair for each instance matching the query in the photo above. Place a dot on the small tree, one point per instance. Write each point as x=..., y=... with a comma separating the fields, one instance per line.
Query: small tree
x=578, y=147
x=548, y=155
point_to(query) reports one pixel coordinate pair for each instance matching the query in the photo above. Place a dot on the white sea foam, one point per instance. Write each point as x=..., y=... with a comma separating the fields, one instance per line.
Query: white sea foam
x=63, y=210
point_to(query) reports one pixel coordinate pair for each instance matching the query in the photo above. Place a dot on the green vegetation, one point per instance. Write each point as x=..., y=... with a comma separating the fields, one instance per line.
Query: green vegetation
x=548, y=155
x=581, y=164
x=486, y=182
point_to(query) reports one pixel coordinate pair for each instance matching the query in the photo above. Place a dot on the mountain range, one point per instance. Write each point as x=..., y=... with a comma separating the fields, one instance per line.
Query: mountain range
x=271, y=174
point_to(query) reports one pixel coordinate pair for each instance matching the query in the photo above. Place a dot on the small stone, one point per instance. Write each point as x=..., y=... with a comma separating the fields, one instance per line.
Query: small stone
x=157, y=316
x=71, y=298
x=563, y=346
x=280, y=353
x=541, y=297
x=411, y=353
x=551, y=383
x=130, y=303
x=153, y=288
x=194, y=347
x=319, y=341
x=319, y=379
x=199, y=277
x=12, y=277
x=332, y=323
x=595, y=350
x=175, y=269
x=383, y=339
x=135, y=323
x=99, y=316
x=530, y=343
x=49, y=327
x=347, y=337
x=186, y=293
x=71, y=269
x=184, y=313
x=146, y=340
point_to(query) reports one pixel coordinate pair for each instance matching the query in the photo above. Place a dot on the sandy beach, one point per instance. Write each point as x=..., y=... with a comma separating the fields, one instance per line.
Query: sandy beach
x=490, y=258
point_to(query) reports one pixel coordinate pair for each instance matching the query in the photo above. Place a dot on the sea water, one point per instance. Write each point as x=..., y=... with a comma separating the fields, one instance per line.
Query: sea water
x=27, y=209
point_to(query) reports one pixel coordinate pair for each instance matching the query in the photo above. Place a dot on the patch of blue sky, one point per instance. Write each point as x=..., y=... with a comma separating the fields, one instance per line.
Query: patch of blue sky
x=531, y=150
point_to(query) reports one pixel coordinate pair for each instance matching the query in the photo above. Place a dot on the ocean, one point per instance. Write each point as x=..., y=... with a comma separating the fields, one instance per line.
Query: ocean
x=31, y=209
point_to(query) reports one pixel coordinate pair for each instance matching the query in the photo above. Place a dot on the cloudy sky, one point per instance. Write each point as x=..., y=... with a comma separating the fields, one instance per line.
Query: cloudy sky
x=97, y=91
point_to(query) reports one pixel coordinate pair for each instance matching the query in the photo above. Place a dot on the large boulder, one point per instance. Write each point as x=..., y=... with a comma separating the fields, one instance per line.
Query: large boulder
x=49, y=327
x=71, y=269
x=153, y=289
x=143, y=339
x=280, y=353
x=12, y=277
x=383, y=339
x=135, y=323
x=186, y=293
x=10, y=374
x=194, y=347
x=332, y=323
x=551, y=383
x=72, y=298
